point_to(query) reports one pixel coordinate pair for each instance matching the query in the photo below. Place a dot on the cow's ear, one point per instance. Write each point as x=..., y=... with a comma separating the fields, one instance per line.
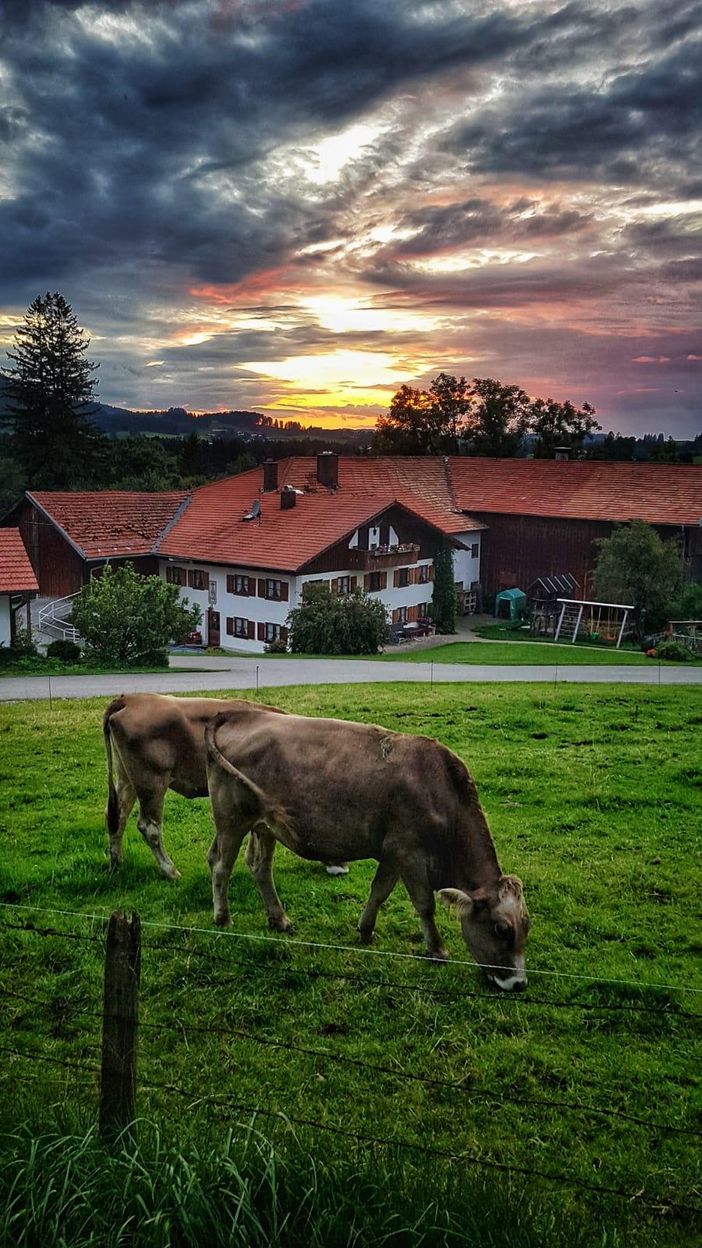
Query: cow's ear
x=456, y=897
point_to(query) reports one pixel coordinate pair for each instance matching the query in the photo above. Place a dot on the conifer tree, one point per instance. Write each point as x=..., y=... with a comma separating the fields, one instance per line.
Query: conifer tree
x=50, y=387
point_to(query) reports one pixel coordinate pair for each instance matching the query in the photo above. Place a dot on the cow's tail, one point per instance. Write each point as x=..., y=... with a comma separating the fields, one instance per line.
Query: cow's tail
x=270, y=811
x=112, y=812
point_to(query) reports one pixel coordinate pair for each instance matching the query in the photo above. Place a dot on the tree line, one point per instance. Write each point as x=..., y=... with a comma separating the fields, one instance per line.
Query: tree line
x=51, y=440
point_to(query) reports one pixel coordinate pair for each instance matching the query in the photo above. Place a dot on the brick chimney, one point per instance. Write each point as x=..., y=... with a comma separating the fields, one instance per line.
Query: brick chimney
x=328, y=469
x=270, y=475
x=288, y=497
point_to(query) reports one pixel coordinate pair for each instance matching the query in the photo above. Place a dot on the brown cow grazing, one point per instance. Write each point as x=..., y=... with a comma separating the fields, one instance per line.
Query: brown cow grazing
x=331, y=789
x=154, y=743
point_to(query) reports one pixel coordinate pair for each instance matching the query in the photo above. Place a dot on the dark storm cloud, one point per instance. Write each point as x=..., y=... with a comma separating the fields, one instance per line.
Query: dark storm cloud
x=619, y=131
x=479, y=222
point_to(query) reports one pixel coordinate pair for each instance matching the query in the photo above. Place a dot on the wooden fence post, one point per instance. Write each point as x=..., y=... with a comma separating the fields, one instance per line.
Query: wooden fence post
x=119, y=1025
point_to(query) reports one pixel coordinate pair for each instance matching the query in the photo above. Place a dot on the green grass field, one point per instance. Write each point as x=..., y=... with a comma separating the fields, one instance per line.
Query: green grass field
x=527, y=652
x=593, y=796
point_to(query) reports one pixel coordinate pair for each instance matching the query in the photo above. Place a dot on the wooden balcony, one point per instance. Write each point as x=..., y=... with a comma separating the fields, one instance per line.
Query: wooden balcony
x=382, y=558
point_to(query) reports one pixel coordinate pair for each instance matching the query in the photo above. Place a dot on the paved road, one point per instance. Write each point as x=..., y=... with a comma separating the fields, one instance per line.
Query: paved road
x=225, y=673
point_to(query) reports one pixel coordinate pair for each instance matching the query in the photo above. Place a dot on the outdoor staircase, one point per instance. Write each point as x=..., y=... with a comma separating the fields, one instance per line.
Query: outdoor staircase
x=53, y=619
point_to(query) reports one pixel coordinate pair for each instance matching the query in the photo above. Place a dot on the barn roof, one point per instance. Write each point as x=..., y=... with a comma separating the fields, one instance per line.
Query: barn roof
x=16, y=572
x=580, y=489
x=103, y=524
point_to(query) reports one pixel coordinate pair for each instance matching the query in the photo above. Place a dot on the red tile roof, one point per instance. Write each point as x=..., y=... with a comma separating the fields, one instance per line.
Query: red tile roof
x=212, y=528
x=580, y=489
x=16, y=572
x=103, y=524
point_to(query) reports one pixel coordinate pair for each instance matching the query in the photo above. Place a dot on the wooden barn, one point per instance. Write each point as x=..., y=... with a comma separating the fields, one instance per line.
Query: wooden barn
x=544, y=515
x=70, y=537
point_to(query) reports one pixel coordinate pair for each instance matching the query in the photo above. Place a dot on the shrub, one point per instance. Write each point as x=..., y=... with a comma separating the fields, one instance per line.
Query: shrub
x=64, y=650
x=674, y=650
x=634, y=565
x=279, y=646
x=327, y=623
x=131, y=619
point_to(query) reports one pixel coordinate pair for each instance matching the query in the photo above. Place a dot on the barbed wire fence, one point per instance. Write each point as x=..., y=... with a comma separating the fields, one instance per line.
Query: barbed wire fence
x=118, y=1025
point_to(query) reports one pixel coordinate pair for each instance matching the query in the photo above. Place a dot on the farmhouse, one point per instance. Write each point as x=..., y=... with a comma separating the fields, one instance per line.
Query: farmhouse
x=243, y=548
x=18, y=583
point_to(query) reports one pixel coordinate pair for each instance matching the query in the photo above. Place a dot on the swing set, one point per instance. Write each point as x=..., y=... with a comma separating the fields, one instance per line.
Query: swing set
x=593, y=621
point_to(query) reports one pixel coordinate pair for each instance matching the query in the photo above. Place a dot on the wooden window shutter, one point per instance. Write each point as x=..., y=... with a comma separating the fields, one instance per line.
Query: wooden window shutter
x=261, y=591
x=413, y=613
x=396, y=578
x=353, y=582
x=367, y=582
x=383, y=580
x=250, y=629
x=396, y=616
x=284, y=591
x=230, y=584
x=230, y=626
x=250, y=586
x=283, y=633
x=261, y=634
x=191, y=579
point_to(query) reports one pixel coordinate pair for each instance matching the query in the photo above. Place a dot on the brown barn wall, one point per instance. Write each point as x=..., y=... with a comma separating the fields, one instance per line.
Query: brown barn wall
x=58, y=569
x=518, y=549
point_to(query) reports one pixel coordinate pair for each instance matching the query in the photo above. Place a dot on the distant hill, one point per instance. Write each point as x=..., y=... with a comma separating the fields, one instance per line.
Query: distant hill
x=177, y=422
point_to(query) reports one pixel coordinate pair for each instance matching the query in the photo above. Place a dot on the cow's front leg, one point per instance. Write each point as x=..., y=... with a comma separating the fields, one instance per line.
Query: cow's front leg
x=222, y=856
x=422, y=898
x=384, y=881
x=259, y=860
x=149, y=824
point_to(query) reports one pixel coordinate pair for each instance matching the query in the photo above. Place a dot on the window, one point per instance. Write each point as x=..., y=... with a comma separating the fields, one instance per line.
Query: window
x=275, y=591
x=242, y=586
x=197, y=579
x=475, y=550
x=175, y=576
x=238, y=627
x=343, y=584
x=272, y=632
x=399, y=615
x=376, y=581
x=402, y=578
x=423, y=574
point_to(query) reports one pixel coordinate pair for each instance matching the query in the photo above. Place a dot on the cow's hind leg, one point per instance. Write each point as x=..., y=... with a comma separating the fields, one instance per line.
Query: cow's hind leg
x=384, y=881
x=222, y=856
x=259, y=860
x=116, y=818
x=149, y=824
x=422, y=898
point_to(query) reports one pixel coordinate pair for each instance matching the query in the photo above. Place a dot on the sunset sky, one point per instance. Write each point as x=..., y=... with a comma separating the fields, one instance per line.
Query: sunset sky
x=298, y=205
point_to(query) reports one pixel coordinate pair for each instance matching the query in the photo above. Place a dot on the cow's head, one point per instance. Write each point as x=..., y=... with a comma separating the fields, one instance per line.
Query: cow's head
x=495, y=926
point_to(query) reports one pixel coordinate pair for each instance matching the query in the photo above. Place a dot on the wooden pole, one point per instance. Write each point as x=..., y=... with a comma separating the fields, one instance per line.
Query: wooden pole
x=119, y=1026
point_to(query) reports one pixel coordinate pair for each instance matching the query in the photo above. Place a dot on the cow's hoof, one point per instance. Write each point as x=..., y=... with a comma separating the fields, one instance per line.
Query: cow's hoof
x=172, y=875
x=437, y=955
x=365, y=936
x=222, y=920
x=282, y=925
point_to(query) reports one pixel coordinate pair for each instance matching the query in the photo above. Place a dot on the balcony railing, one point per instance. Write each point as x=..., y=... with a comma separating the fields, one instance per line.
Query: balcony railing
x=382, y=557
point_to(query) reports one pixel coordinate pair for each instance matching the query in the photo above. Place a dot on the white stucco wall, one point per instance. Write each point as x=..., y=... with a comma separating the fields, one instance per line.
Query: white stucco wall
x=5, y=633
x=466, y=567
x=264, y=610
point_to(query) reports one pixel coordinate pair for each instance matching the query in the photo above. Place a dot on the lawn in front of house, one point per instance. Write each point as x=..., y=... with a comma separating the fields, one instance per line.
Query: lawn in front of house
x=593, y=796
x=529, y=653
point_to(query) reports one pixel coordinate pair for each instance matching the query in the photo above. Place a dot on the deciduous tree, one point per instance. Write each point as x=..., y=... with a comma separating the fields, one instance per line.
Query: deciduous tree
x=131, y=619
x=500, y=417
x=327, y=623
x=635, y=566
x=560, y=424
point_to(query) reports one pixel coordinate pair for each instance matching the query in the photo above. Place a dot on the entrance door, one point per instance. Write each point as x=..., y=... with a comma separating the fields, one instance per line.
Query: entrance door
x=212, y=627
